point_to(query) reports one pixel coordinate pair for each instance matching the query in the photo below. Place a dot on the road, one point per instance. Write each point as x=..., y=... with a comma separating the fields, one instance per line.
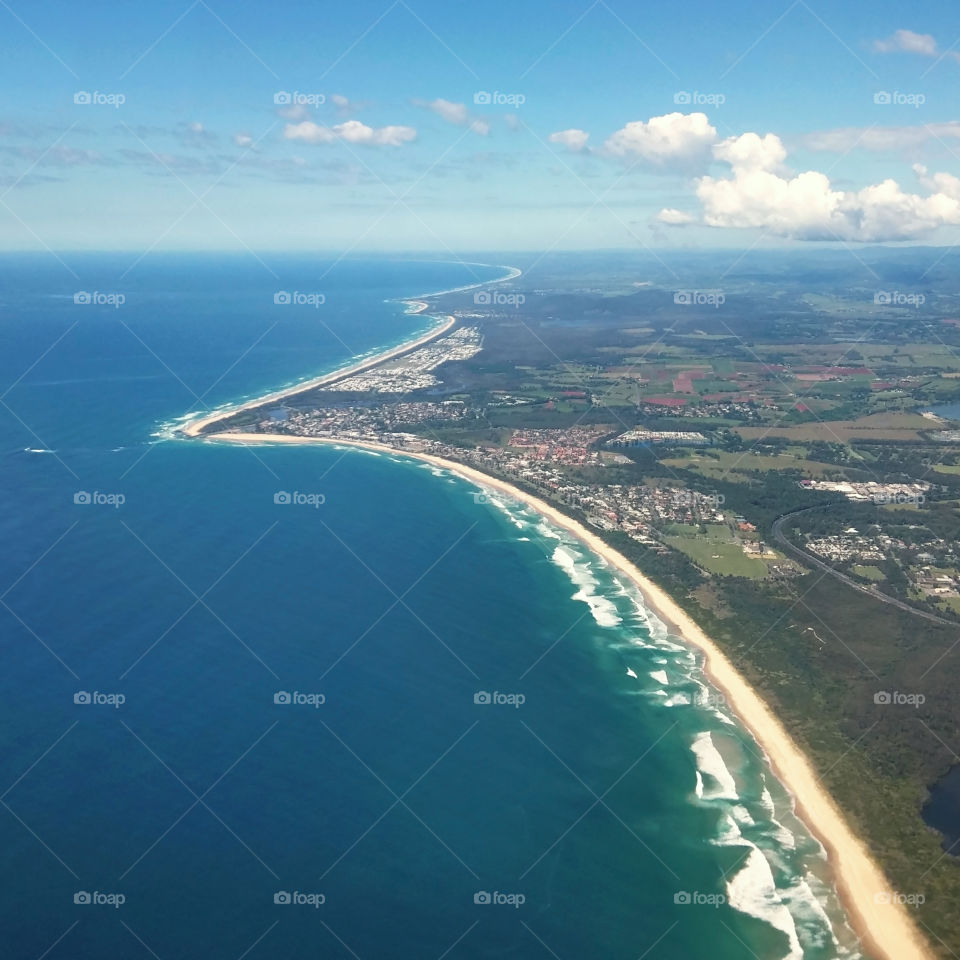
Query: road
x=809, y=558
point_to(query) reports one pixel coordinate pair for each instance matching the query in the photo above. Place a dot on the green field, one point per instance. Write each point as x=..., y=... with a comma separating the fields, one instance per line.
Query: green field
x=715, y=553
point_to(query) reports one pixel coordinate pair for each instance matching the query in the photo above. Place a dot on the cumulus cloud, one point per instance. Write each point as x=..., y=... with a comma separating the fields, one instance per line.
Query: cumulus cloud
x=759, y=193
x=455, y=113
x=574, y=140
x=351, y=131
x=906, y=41
x=675, y=218
x=243, y=139
x=681, y=140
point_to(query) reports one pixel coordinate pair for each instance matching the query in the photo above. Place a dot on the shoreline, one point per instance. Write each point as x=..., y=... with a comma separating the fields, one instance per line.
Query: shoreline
x=419, y=304
x=885, y=929
x=194, y=427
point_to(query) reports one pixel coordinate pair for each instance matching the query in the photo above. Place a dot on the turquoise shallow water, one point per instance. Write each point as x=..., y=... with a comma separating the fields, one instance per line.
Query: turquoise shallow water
x=511, y=758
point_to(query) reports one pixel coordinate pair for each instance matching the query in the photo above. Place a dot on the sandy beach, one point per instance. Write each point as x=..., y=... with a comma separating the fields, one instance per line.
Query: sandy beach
x=416, y=304
x=195, y=427
x=886, y=929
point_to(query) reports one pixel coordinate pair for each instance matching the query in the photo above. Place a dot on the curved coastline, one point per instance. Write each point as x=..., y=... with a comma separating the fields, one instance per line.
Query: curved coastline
x=885, y=928
x=417, y=303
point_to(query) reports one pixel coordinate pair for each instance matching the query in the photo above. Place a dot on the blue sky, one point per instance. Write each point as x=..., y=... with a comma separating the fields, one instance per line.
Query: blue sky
x=617, y=126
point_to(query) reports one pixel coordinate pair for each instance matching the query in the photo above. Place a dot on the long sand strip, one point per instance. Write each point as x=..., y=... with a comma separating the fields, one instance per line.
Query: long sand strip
x=195, y=427
x=885, y=928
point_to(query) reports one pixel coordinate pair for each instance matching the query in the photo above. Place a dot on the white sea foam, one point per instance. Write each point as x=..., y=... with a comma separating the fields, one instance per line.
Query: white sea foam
x=753, y=892
x=660, y=676
x=631, y=673
x=813, y=922
x=710, y=764
x=603, y=609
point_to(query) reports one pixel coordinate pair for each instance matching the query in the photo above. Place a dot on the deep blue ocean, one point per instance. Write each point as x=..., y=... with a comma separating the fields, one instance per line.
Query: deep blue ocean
x=511, y=759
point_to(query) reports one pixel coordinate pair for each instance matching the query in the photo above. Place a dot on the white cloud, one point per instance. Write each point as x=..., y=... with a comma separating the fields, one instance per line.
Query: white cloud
x=243, y=139
x=574, y=140
x=676, y=139
x=878, y=139
x=750, y=151
x=906, y=41
x=806, y=207
x=675, y=218
x=456, y=113
x=352, y=131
